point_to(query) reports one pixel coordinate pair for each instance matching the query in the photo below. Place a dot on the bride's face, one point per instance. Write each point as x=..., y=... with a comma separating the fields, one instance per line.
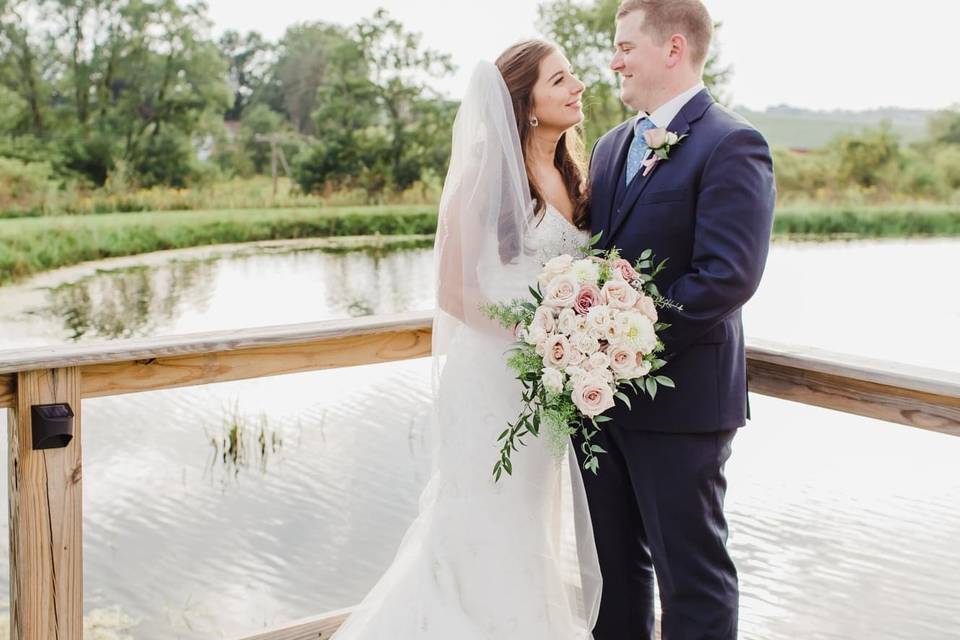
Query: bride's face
x=556, y=95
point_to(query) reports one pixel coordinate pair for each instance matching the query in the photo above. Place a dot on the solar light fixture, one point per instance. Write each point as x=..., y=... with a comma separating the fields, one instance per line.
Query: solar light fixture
x=52, y=425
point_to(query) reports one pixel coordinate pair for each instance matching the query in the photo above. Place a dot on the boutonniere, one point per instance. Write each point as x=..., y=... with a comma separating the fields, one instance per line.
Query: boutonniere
x=660, y=141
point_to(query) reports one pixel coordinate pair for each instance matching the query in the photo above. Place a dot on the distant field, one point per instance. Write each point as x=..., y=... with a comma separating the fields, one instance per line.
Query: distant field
x=810, y=130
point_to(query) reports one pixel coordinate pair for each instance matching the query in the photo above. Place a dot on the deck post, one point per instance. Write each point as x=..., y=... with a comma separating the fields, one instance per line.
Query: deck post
x=46, y=515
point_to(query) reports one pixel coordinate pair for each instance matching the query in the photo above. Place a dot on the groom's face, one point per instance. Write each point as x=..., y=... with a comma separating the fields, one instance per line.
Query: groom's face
x=639, y=61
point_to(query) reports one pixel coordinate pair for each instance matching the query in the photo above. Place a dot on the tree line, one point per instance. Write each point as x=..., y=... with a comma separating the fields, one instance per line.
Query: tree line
x=116, y=94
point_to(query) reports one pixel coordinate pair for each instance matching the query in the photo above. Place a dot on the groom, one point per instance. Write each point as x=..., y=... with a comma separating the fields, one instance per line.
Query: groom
x=657, y=502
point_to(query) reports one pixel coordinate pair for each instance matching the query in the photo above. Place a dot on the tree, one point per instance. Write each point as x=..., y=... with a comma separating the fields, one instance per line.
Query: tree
x=303, y=62
x=945, y=126
x=868, y=159
x=376, y=117
x=248, y=60
x=108, y=81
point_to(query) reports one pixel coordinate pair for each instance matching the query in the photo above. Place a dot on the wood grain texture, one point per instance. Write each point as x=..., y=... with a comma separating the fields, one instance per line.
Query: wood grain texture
x=843, y=391
x=8, y=390
x=182, y=371
x=321, y=627
x=12, y=361
x=46, y=517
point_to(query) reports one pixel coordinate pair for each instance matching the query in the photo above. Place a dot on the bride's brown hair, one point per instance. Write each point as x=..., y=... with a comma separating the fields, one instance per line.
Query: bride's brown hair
x=520, y=67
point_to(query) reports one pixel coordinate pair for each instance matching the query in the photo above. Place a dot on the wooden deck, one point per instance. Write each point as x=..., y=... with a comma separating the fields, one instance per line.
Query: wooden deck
x=45, y=486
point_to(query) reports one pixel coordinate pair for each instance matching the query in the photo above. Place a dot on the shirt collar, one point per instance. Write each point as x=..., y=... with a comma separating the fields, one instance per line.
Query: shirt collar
x=663, y=116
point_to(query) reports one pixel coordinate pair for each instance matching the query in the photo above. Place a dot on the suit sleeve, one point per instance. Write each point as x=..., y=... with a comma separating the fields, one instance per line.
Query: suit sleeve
x=734, y=219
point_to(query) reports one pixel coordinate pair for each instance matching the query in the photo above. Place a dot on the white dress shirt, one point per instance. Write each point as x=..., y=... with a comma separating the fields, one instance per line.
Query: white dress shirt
x=665, y=114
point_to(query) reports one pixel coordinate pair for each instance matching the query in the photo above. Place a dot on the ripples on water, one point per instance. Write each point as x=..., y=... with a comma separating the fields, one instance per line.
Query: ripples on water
x=842, y=527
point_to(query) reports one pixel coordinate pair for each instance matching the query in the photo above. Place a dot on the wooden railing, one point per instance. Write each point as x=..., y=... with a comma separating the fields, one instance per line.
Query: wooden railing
x=45, y=499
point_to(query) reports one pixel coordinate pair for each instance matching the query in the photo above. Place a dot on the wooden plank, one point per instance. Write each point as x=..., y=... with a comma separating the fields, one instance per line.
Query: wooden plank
x=320, y=627
x=182, y=371
x=843, y=391
x=894, y=374
x=8, y=390
x=56, y=356
x=46, y=517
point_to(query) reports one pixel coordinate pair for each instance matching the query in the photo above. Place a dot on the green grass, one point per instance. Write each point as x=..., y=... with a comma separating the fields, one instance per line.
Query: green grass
x=859, y=221
x=32, y=245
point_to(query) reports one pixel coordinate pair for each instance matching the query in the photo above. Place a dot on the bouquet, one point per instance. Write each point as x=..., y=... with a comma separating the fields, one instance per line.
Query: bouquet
x=589, y=333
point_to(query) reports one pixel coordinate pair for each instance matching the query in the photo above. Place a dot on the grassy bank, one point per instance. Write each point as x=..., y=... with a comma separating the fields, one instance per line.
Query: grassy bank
x=31, y=245
x=901, y=221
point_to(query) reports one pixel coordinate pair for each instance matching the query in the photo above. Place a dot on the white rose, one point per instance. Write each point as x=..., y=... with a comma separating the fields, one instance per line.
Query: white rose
x=585, y=271
x=598, y=320
x=567, y=321
x=599, y=361
x=535, y=335
x=543, y=318
x=552, y=380
x=576, y=374
x=553, y=268
x=584, y=342
x=643, y=367
x=556, y=351
x=576, y=357
x=618, y=294
x=672, y=138
x=561, y=292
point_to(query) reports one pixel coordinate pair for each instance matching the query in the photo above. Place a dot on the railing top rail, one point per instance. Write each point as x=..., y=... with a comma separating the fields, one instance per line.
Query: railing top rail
x=941, y=384
x=138, y=349
x=894, y=374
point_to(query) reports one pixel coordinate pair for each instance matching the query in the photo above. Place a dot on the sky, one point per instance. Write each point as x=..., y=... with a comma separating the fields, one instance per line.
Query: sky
x=816, y=54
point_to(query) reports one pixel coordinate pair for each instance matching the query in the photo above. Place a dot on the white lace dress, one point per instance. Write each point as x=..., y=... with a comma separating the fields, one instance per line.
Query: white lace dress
x=486, y=560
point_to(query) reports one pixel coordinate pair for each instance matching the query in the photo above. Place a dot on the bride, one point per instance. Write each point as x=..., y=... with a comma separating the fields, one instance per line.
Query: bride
x=513, y=559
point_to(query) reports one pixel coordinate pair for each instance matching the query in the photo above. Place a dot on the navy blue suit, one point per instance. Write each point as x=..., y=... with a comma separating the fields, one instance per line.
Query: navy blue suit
x=657, y=502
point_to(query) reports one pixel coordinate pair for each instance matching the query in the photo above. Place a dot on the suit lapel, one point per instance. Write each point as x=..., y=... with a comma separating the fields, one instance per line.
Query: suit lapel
x=618, y=158
x=691, y=112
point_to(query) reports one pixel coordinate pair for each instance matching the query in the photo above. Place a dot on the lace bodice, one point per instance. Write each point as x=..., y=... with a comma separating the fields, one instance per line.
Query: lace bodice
x=555, y=235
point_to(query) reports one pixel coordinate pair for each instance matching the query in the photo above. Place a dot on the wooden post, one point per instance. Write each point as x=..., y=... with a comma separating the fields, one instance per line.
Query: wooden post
x=46, y=516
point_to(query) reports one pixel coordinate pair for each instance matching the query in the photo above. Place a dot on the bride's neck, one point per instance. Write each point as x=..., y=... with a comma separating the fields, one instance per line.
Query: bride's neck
x=542, y=148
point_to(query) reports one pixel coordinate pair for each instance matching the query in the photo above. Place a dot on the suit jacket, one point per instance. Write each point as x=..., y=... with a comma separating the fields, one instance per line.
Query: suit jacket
x=708, y=209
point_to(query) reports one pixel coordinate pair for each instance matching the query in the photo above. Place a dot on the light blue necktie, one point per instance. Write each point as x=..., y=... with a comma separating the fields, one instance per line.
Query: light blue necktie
x=638, y=148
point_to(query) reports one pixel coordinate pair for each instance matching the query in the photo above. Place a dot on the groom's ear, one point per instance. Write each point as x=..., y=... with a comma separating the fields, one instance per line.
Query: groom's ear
x=676, y=49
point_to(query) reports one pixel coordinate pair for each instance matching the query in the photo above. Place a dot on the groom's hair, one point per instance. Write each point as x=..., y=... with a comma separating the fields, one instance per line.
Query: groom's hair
x=663, y=18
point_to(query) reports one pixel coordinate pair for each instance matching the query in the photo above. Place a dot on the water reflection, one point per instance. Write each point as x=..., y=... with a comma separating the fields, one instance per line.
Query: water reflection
x=129, y=302
x=192, y=290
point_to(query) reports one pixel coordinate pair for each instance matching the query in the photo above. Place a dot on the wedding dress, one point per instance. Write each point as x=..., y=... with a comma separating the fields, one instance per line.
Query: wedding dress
x=486, y=560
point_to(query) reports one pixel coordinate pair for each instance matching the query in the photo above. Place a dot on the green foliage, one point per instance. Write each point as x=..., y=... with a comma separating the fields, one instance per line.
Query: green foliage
x=945, y=127
x=105, y=82
x=25, y=186
x=868, y=159
x=379, y=126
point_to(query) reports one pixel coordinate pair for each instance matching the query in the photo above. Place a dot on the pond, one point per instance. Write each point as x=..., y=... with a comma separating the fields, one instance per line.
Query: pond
x=217, y=511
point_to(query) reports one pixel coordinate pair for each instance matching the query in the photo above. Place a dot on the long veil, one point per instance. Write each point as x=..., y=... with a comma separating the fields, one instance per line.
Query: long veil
x=485, y=252
x=485, y=560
